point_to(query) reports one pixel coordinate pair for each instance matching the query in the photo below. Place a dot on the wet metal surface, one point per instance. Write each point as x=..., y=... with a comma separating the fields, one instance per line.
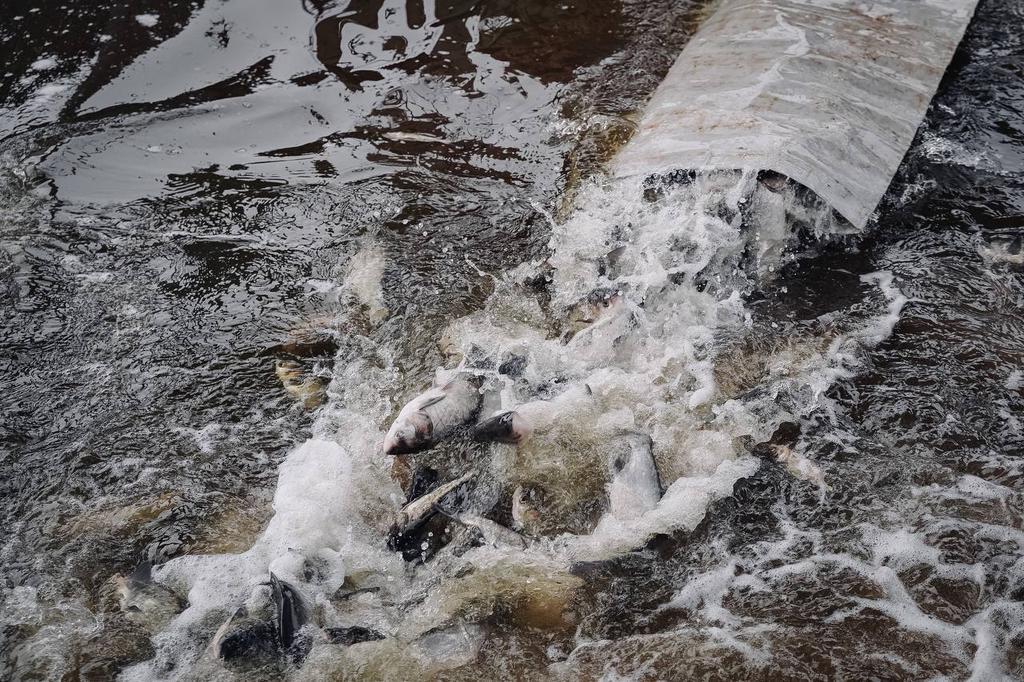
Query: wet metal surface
x=828, y=93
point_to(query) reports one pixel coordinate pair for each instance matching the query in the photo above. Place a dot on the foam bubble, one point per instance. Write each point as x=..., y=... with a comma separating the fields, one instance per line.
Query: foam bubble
x=44, y=64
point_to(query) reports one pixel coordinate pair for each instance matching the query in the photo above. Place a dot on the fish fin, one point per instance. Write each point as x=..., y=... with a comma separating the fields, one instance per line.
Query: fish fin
x=290, y=614
x=590, y=391
x=440, y=509
x=433, y=400
x=275, y=587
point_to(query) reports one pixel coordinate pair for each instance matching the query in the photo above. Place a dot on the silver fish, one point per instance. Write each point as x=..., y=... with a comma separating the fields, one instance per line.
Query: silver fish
x=249, y=633
x=526, y=515
x=597, y=305
x=309, y=390
x=146, y=602
x=431, y=416
x=353, y=634
x=506, y=427
x=419, y=510
x=515, y=426
x=264, y=628
x=800, y=466
x=635, y=487
x=493, y=533
x=775, y=182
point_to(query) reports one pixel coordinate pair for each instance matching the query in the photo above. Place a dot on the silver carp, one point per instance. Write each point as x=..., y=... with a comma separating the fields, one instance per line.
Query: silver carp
x=431, y=416
x=597, y=305
x=799, y=466
x=517, y=425
x=146, y=602
x=265, y=627
x=526, y=514
x=419, y=510
x=635, y=487
x=507, y=427
x=493, y=533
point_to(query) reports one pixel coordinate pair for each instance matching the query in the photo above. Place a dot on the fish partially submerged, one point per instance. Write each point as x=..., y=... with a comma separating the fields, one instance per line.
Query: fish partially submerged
x=526, y=514
x=774, y=182
x=635, y=487
x=507, y=427
x=265, y=627
x=516, y=426
x=799, y=466
x=146, y=602
x=599, y=304
x=347, y=636
x=1003, y=247
x=493, y=533
x=417, y=512
x=430, y=417
x=309, y=344
x=309, y=390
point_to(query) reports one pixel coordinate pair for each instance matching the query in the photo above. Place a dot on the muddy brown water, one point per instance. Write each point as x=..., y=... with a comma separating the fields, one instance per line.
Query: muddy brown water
x=182, y=182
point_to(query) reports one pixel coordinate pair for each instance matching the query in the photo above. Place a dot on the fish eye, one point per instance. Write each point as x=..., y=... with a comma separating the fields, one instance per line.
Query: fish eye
x=506, y=418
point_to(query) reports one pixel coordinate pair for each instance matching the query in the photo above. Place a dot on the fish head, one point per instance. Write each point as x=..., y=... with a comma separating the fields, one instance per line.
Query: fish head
x=246, y=640
x=596, y=305
x=507, y=427
x=526, y=502
x=409, y=435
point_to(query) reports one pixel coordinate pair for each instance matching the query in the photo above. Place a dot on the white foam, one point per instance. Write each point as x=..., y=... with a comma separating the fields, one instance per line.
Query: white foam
x=317, y=517
x=882, y=328
x=47, y=92
x=646, y=365
x=682, y=507
x=44, y=64
x=705, y=593
x=148, y=20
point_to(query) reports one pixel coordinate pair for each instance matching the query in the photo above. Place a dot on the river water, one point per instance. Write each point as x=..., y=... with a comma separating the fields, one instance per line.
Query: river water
x=187, y=185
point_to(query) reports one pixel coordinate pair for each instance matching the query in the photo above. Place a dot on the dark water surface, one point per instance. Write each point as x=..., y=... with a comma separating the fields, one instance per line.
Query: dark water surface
x=182, y=186
x=178, y=197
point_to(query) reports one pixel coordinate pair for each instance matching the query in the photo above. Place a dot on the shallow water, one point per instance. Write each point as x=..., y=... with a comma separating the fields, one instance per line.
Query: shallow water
x=185, y=186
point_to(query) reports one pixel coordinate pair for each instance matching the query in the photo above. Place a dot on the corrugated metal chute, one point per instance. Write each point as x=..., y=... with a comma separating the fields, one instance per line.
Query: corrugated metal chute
x=827, y=92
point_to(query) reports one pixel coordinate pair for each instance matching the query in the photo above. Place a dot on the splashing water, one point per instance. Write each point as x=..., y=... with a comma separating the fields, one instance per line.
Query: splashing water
x=832, y=417
x=647, y=364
